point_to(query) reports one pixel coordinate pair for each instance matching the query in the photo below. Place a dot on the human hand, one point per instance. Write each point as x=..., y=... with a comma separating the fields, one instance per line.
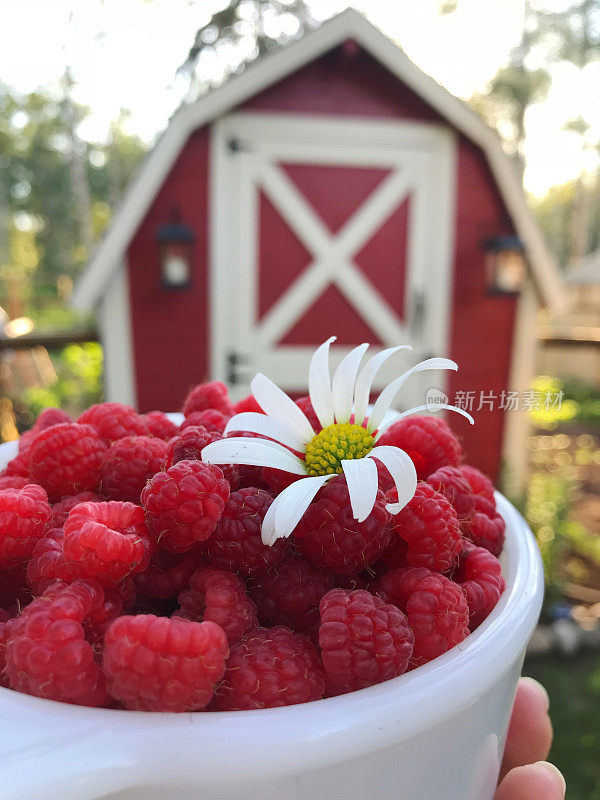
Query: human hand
x=525, y=775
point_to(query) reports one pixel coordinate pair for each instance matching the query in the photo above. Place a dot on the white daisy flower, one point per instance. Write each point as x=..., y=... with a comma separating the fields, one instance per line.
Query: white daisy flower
x=342, y=446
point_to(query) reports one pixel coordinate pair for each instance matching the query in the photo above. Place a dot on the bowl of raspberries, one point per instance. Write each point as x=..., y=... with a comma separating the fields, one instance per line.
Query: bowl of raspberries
x=272, y=598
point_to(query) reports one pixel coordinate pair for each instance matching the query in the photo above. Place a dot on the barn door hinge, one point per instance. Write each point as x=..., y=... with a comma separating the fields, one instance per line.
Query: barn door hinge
x=234, y=362
x=417, y=315
x=235, y=145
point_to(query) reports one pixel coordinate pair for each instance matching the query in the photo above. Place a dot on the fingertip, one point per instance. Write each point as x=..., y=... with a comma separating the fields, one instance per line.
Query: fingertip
x=533, y=687
x=556, y=774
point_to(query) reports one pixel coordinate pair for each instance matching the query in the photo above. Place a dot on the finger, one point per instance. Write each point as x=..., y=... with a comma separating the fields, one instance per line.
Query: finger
x=530, y=731
x=532, y=781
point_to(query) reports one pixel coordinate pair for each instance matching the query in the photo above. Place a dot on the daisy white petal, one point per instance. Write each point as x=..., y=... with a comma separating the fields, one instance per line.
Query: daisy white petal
x=361, y=477
x=319, y=384
x=267, y=426
x=255, y=452
x=416, y=410
x=365, y=380
x=342, y=385
x=288, y=508
x=386, y=398
x=401, y=468
x=280, y=407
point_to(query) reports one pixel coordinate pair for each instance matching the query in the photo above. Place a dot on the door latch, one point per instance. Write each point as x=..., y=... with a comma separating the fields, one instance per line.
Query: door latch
x=234, y=362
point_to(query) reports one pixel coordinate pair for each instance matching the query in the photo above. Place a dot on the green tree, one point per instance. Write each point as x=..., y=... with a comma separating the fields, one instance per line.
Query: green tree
x=240, y=33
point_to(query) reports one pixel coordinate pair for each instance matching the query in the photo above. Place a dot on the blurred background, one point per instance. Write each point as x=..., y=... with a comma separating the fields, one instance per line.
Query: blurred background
x=86, y=88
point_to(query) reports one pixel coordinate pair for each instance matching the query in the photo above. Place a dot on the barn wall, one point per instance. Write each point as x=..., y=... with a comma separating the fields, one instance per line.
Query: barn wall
x=171, y=329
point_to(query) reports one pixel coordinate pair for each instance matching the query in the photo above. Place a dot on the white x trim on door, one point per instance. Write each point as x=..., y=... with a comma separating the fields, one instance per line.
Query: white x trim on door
x=247, y=151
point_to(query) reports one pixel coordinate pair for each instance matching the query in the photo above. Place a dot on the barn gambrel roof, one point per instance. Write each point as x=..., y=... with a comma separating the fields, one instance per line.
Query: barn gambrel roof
x=272, y=68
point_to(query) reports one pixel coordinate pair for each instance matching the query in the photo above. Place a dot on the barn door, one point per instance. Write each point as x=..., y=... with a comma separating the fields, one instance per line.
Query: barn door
x=328, y=225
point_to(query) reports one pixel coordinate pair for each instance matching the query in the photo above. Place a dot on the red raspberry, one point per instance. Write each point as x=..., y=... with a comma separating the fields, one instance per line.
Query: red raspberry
x=50, y=417
x=428, y=441
x=18, y=466
x=290, y=595
x=65, y=459
x=5, y=632
x=188, y=445
x=268, y=668
x=307, y=409
x=47, y=562
x=106, y=541
x=330, y=537
x=248, y=403
x=47, y=654
x=276, y=480
x=24, y=517
x=25, y=439
x=211, y=419
x=128, y=466
x=486, y=527
x=479, y=573
x=167, y=575
x=160, y=664
x=384, y=479
x=429, y=526
x=114, y=421
x=450, y=482
x=363, y=641
x=13, y=482
x=236, y=543
x=436, y=609
x=184, y=504
x=219, y=596
x=96, y=625
x=208, y=395
x=61, y=510
x=159, y=425
x=479, y=483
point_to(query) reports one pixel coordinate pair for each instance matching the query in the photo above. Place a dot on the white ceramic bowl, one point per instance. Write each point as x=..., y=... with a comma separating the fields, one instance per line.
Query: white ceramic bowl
x=436, y=732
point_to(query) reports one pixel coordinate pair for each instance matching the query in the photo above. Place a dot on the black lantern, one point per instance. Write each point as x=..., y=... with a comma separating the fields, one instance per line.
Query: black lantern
x=505, y=265
x=176, y=243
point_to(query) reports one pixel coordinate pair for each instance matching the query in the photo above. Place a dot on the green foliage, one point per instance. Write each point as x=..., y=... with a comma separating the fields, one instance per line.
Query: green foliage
x=78, y=384
x=574, y=689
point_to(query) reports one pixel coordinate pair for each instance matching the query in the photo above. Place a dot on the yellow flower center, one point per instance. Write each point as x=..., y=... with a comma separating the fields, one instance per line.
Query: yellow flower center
x=325, y=451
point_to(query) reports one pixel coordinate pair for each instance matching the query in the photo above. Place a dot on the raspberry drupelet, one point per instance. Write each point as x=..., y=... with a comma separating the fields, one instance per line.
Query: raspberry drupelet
x=479, y=573
x=24, y=517
x=160, y=664
x=429, y=526
x=60, y=510
x=114, y=421
x=159, y=425
x=65, y=459
x=236, y=543
x=485, y=527
x=208, y=395
x=220, y=596
x=271, y=667
x=290, y=595
x=363, y=641
x=435, y=606
x=429, y=442
x=106, y=541
x=330, y=537
x=184, y=504
x=167, y=575
x=188, y=444
x=450, y=482
x=210, y=418
x=128, y=466
x=47, y=653
x=480, y=484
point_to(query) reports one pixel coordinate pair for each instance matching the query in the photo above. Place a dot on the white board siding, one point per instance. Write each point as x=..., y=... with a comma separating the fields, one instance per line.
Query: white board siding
x=114, y=320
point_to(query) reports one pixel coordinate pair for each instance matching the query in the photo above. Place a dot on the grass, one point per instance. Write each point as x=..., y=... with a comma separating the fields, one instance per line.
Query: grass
x=574, y=689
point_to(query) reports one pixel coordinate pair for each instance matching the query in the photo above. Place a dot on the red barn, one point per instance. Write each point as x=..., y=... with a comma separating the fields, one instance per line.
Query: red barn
x=332, y=187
